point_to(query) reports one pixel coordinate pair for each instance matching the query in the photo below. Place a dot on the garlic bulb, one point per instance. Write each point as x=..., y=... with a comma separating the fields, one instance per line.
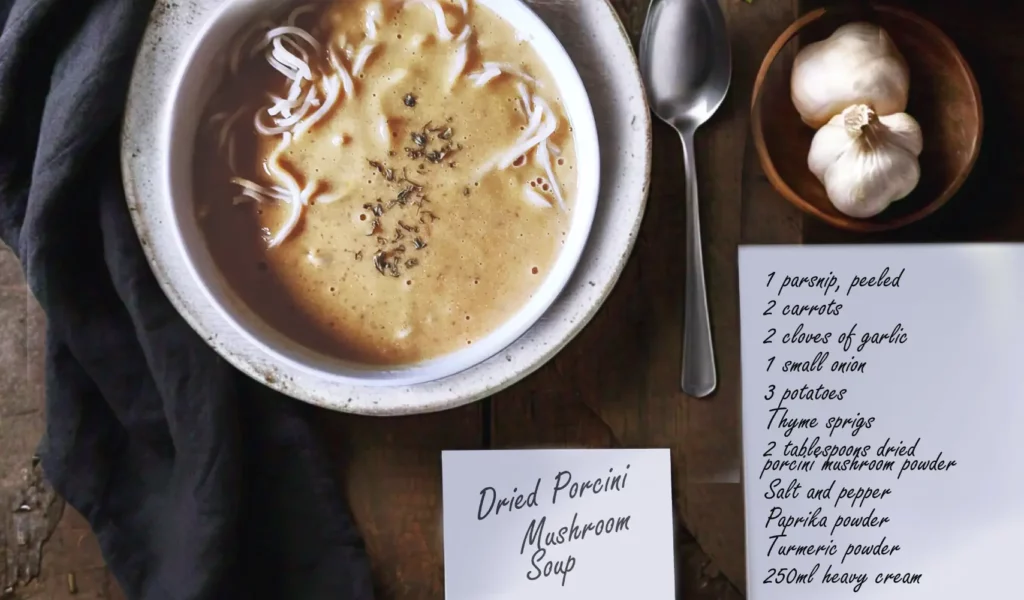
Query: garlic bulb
x=858, y=64
x=866, y=161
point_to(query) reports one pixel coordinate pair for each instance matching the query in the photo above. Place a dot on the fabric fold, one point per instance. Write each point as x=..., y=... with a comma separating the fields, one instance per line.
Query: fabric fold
x=199, y=482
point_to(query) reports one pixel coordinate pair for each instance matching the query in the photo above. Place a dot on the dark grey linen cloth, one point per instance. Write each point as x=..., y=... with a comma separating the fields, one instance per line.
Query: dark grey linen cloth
x=199, y=483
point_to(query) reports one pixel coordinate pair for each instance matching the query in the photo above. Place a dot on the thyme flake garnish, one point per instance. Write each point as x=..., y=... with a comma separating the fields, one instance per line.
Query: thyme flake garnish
x=380, y=262
x=430, y=145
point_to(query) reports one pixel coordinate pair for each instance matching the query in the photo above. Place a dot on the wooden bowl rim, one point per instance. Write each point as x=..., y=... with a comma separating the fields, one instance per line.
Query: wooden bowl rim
x=850, y=223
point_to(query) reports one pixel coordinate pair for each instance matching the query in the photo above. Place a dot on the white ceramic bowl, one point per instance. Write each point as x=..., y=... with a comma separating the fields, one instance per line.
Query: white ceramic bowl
x=196, y=81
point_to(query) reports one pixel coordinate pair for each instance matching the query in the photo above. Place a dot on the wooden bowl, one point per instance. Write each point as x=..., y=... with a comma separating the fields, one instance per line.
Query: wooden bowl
x=944, y=98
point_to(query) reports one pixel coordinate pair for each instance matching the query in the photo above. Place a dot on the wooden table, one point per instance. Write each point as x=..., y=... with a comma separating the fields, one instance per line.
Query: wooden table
x=617, y=384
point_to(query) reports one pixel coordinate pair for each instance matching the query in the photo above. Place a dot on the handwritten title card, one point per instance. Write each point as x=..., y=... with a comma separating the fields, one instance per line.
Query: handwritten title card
x=883, y=405
x=558, y=524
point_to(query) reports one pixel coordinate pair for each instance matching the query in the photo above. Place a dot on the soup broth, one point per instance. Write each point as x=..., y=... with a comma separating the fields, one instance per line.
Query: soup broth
x=385, y=181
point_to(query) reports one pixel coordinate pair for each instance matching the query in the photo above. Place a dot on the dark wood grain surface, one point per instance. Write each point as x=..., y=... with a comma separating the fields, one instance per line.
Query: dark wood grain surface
x=617, y=384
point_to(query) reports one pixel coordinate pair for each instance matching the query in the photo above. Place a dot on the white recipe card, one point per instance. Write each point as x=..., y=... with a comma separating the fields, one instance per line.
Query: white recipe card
x=558, y=525
x=883, y=405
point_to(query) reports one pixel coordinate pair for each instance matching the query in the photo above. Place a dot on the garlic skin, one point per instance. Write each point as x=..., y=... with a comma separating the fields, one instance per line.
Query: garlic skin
x=857, y=64
x=866, y=161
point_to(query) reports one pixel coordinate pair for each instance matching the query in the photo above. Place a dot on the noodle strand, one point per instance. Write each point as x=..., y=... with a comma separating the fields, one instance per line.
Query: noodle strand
x=314, y=89
x=443, y=33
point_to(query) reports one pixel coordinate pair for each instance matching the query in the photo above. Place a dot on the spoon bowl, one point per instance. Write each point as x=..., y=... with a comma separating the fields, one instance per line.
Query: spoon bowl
x=685, y=60
x=686, y=63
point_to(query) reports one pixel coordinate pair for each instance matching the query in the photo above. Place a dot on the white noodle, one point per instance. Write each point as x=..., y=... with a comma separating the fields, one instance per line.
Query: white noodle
x=541, y=126
x=225, y=129
x=329, y=198
x=347, y=83
x=277, y=32
x=443, y=32
x=346, y=79
x=282, y=68
x=504, y=160
x=269, y=130
x=239, y=49
x=298, y=197
x=232, y=165
x=545, y=159
x=307, y=193
x=313, y=94
x=458, y=64
x=525, y=99
x=294, y=214
x=331, y=88
x=547, y=128
x=492, y=70
x=373, y=15
x=258, y=192
x=283, y=177
x=484, y=76
x=282, y=106
x=288, y=59
x=534, y=198
x=384, y=131
x=364, y=54
x=298, y=12
x=536, y=118
x=283, y=125
x=302, y=54
x=524, y=147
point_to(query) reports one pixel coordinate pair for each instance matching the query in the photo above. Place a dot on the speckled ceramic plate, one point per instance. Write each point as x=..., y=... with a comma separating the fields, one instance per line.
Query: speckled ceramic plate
x=598, y=45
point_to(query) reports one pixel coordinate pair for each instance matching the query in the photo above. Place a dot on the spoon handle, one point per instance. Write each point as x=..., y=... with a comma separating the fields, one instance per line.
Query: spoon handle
x=699, y=376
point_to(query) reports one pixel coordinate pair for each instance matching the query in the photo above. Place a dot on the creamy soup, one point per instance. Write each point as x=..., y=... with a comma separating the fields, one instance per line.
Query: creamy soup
x=385, y=181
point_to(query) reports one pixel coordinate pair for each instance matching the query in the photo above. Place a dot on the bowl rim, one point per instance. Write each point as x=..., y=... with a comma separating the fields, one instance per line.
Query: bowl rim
x=783, y=188
x=565, y=73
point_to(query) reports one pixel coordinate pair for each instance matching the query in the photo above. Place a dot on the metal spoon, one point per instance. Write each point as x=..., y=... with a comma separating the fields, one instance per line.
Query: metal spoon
x=687, y=65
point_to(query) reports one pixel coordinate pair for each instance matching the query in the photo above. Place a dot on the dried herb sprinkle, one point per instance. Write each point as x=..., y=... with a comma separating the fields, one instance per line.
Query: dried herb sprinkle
x=430, y=145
